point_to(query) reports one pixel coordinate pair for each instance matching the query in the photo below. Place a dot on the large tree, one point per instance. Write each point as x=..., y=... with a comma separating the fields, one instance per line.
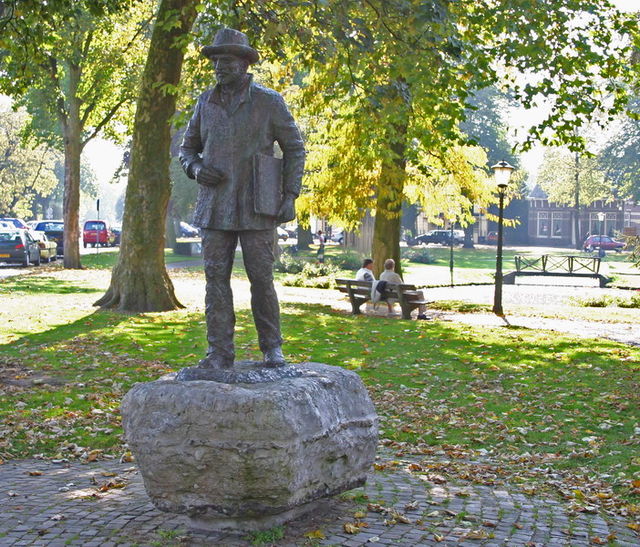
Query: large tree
x=74, y=67
x=575, y=179
x=394, y=77
x=26, y=171
x=139, y=281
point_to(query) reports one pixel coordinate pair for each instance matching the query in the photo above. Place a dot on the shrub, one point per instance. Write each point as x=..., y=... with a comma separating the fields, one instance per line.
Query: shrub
x=422, y=256
x=298, y=280
x=348, y=260
x=595, y=302
x=287, y=263
x=633, y=302
x=604, y=301
x=314, y=276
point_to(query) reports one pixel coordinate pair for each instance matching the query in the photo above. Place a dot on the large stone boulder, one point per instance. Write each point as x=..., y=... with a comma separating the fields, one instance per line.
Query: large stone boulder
x=255, y=449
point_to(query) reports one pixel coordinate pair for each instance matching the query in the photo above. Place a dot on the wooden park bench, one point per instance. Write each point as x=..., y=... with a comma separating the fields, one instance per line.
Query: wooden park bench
x=359, y=292
x=554, y=265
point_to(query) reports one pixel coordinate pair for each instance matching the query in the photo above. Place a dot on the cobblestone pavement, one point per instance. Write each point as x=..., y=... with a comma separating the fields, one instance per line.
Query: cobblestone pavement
x=104, y=504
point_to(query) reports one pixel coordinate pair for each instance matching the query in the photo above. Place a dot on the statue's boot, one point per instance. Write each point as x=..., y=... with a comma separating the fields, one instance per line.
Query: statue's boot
x=216, y=361
x=273, y=357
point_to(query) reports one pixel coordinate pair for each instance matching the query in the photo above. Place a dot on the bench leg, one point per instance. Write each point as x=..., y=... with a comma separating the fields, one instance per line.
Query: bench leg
x=406, y=310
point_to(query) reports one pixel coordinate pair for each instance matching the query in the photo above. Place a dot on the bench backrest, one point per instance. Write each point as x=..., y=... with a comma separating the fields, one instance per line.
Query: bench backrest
x=364, y=287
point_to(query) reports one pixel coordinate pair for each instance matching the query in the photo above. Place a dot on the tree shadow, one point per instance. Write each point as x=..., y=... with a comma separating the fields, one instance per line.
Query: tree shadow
x=42, y=284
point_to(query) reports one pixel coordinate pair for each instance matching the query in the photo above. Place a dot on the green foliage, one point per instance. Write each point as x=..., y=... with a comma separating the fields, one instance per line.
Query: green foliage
x=420, y=255
x=287, y=263
x=314, y=275
x=606, y=301
x=75, y=55
x=267, y=537
x=558, y=173
x=347, y=260
x=26, y=171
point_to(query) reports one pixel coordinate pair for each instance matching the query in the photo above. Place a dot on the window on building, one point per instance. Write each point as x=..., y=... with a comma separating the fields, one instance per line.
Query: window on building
x=543, y=224
x=557, y=224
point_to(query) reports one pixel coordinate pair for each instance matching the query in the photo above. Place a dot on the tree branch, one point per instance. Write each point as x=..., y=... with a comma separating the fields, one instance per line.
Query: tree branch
x=105, y=120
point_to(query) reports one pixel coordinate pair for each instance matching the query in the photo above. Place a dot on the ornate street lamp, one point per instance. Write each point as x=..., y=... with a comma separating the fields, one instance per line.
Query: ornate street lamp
x=502, y=171
x=601, y=217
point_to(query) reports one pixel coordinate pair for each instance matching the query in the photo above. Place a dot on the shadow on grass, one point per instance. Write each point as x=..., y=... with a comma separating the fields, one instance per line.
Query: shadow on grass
x=97, y=321
x=43, y=285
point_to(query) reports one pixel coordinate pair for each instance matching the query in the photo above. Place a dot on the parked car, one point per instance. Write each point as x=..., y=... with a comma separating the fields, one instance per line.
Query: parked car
x=19, y=246
x=282, y=233
x=443, y=237
x=186, y=230
x=97, y=234
x=17, y=222
x=48, y=248
x=117, y=234
x=337, y=237
x=54, y=230
x=492, y=238
x=602, y=242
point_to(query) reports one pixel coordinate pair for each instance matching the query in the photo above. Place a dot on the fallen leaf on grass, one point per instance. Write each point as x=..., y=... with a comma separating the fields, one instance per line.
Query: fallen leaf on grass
x=315, y=534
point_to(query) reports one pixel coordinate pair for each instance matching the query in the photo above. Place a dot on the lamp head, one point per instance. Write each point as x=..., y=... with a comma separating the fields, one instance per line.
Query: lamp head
x=502, y=171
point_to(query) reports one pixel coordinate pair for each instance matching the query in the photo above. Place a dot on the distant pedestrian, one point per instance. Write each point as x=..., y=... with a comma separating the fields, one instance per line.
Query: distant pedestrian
x=321, y=241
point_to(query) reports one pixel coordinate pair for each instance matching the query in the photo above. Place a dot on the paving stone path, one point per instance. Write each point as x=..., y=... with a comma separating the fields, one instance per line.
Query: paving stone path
x=104, y=504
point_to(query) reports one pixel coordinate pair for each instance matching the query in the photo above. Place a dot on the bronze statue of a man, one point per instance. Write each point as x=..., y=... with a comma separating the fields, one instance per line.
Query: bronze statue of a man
x=228, y=148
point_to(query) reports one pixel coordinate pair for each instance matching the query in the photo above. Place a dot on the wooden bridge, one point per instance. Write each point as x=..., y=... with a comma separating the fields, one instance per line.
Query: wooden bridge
x=557, y=266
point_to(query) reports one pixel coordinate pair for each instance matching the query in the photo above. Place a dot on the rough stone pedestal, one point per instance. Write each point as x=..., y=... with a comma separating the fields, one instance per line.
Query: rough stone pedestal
x=252, y=447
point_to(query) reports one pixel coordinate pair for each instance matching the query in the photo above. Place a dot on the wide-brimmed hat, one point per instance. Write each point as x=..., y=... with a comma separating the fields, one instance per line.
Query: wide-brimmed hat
x=234, y=42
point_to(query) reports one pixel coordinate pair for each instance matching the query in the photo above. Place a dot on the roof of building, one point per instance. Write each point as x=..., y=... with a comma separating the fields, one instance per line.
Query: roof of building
x=537, y=193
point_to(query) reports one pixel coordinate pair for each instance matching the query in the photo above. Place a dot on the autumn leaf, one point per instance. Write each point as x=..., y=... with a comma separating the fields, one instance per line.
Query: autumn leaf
x=351, y=528
x=315, y=534
x=359, y=514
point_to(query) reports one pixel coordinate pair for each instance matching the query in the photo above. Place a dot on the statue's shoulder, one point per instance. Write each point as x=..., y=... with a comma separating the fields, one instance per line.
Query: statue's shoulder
x=265, y=93
x=205, y=95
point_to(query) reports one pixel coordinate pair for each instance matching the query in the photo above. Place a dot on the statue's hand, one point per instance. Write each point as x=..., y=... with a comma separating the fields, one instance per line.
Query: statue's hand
x=208, y=176
x=287, y=210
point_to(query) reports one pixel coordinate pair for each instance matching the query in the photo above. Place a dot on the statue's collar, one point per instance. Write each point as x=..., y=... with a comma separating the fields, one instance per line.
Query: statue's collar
x=240, y=95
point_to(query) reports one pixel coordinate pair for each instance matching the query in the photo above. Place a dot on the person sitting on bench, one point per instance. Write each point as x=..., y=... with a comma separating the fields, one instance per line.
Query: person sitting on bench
x=366, y=272
x=390, y=276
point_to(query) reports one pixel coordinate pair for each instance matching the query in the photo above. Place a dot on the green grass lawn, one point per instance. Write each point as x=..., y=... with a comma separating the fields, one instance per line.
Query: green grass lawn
x=534, y=401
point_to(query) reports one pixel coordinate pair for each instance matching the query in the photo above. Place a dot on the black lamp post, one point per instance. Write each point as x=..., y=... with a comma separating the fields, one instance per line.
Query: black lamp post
x=452, y=221
x=502, y=172
x=601, y=217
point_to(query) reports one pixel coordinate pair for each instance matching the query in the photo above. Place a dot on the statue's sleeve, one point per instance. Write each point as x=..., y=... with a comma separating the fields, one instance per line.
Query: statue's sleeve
x=191, y=143
x=287, y=134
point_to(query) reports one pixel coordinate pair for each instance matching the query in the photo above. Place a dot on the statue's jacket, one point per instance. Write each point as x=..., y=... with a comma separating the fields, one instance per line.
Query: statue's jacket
x=227, y=138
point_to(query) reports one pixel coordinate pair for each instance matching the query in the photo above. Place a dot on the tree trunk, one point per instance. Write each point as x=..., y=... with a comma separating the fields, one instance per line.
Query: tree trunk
x=386, y=229
x=468, y=237
x=139, y=281
x=72, y=129
x=305, y=238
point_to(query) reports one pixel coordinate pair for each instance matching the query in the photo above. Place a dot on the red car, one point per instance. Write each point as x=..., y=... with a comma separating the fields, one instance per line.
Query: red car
x=602, y=242
x=98, y=234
